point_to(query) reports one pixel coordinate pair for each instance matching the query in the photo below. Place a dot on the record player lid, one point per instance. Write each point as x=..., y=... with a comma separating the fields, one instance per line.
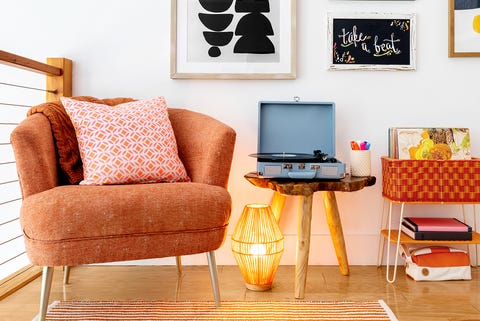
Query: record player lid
x=296, y=127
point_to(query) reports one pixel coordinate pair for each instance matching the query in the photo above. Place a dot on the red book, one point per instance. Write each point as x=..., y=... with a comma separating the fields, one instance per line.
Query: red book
x=436, y=224
x=436, y=235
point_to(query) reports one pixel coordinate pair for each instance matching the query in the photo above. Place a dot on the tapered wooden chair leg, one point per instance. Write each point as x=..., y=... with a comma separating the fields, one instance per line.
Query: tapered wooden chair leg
x=214, y=277
x=66, y=274
x=45, y=291
x=178, y=261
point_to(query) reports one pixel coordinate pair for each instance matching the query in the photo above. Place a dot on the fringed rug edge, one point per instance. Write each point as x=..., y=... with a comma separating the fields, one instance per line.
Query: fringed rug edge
x=50, y=306
x=387, y=309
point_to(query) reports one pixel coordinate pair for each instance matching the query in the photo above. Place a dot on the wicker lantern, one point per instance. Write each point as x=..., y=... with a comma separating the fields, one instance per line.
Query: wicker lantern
x=257, y=244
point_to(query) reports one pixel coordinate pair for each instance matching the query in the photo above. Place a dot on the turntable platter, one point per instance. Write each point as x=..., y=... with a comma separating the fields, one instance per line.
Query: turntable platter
x=280, y=157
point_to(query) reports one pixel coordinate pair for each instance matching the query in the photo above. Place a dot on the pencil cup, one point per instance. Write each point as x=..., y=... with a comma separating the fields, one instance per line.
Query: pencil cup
x=360, y=163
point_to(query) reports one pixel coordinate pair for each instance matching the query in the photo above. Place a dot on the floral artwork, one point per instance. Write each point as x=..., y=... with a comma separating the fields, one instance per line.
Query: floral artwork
x=430, y=143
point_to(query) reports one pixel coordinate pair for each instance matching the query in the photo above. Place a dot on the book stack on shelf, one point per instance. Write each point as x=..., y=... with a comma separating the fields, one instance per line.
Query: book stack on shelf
x=436, y=229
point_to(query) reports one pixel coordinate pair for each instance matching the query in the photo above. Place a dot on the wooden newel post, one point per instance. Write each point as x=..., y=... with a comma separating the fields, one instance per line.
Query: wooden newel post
x=59, y=86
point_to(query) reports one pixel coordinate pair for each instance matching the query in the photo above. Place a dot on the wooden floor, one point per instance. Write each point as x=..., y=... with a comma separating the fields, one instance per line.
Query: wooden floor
x=409, y=300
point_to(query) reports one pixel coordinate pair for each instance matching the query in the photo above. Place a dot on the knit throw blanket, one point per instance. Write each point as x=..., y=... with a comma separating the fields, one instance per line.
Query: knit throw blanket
x=66, y=145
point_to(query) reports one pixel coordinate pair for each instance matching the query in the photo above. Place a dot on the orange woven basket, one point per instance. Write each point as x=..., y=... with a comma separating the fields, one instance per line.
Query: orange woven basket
x=431, y=181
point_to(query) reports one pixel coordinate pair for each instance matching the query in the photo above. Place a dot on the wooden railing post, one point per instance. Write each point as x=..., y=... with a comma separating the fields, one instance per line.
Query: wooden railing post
x=58, y=73
x=59, y=86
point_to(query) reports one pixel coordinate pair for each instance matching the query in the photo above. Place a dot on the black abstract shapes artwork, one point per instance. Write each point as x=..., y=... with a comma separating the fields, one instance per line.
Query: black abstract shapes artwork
x=216, y=5
x=217, y=22
x=254, y=28
x=252, y=6
x=216, y=40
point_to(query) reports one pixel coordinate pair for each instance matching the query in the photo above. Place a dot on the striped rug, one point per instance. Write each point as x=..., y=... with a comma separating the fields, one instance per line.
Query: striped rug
x=229, y=310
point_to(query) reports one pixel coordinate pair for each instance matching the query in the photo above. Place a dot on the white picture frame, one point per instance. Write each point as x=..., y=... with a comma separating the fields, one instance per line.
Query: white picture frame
x=366, y=41
x=191, y=57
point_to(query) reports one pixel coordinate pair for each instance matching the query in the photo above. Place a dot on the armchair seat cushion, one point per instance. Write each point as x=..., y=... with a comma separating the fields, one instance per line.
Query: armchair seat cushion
x=72, y=224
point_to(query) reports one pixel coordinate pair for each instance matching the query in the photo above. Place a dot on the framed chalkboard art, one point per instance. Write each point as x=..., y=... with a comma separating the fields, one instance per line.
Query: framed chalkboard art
x=226, y=39
x=464, y=28
x=371, y=41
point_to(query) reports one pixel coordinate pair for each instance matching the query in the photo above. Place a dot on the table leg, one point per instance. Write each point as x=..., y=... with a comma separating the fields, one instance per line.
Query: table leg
x=278, y=200
x=303, y=244
x=336, y=231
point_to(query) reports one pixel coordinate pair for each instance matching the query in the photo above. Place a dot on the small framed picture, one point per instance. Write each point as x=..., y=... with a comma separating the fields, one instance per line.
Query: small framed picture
x=464, y=28
x=371, y=41
x=226, y=39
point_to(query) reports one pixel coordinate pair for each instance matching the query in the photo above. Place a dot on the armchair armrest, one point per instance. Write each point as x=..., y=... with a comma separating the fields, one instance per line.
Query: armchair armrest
x=205, y=146
x=34, y=150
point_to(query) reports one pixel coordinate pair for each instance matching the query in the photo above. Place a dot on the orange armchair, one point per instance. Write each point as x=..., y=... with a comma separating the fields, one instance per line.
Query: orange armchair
x=67, y=225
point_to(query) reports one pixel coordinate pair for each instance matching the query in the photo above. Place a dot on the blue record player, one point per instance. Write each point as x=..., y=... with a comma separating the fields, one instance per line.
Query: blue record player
x=297, y=140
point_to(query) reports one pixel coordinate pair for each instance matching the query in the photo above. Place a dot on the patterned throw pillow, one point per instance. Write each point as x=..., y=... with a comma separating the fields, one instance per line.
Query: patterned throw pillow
x=127, y=143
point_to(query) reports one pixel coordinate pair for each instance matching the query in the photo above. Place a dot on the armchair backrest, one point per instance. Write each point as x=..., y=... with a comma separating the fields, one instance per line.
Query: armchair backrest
x=205, y=147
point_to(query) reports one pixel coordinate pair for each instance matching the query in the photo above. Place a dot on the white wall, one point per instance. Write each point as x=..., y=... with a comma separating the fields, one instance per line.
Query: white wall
x=122, y=48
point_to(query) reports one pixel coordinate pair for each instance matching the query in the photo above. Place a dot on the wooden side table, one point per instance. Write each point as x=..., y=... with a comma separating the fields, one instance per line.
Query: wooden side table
x=305, y=189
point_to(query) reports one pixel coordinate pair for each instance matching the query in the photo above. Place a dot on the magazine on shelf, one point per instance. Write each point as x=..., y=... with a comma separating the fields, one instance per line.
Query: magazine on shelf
x=436, y=224
x=429, y=143
x=436, y=235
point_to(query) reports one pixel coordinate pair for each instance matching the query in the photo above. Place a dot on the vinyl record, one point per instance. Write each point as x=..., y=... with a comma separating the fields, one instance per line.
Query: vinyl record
x=281, y=157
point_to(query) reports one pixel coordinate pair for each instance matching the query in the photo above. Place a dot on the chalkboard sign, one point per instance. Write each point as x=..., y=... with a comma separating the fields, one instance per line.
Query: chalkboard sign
x=371, y=41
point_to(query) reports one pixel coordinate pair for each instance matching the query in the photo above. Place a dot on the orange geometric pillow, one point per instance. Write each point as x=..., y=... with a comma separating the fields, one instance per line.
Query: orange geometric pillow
x=127, y=143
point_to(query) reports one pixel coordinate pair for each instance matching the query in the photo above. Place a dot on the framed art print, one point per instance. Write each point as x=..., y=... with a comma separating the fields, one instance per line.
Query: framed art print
x=464, y=28
x=233, y=39
x=371, y=41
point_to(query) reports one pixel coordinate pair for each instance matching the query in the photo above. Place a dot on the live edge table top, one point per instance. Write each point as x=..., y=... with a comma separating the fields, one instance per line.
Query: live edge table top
x=289, y=186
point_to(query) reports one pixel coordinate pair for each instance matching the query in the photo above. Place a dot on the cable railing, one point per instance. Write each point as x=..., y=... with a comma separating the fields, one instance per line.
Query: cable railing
x=17, y=95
